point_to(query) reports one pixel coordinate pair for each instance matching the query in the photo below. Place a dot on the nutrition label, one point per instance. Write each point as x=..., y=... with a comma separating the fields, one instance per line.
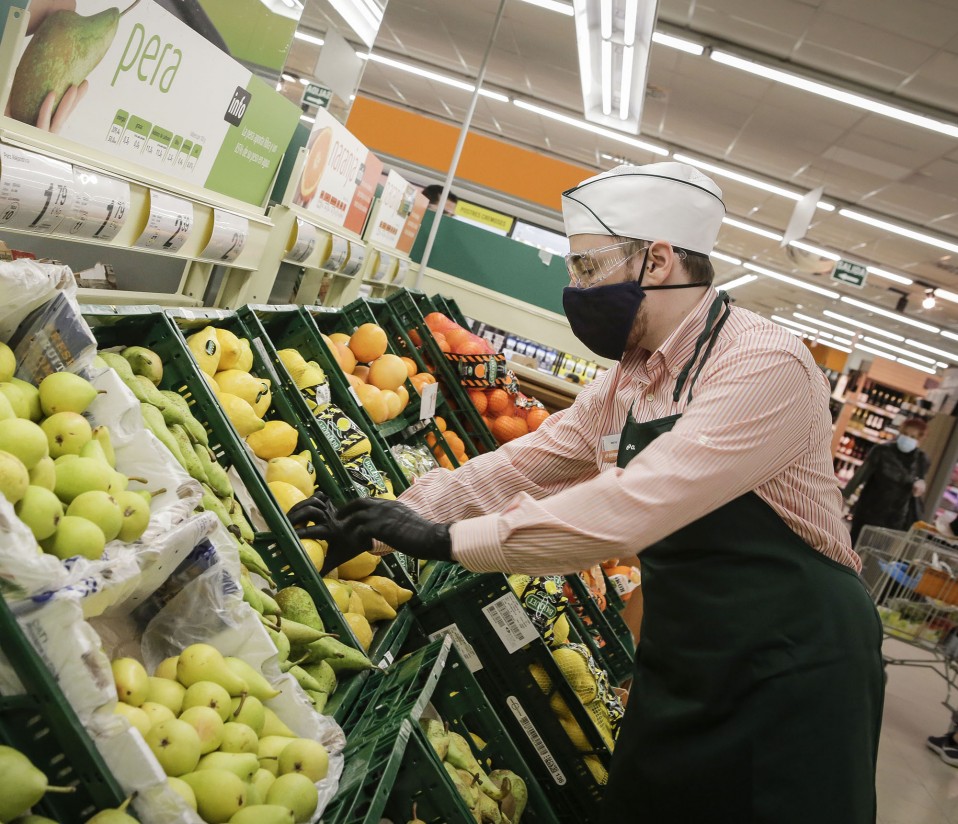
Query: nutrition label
x=153, y=144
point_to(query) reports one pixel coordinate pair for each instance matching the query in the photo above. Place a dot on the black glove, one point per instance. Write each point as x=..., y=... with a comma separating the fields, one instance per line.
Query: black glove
x=398, y=526
x=316, y=518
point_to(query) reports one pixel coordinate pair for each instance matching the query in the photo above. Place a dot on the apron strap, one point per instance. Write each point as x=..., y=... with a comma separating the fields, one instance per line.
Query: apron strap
x=709, y=333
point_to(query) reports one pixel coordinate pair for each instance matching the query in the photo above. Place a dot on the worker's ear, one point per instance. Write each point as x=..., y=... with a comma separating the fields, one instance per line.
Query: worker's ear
x=661, y=264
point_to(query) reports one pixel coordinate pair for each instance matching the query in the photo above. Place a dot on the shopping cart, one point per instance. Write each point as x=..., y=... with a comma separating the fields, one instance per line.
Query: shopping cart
x=913, y=579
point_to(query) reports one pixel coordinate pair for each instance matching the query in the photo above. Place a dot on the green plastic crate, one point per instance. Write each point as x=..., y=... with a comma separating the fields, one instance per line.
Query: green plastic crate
x=605, y=633
x=458, y=602
x=43, y=726
x=437, y=675
x=450, y=309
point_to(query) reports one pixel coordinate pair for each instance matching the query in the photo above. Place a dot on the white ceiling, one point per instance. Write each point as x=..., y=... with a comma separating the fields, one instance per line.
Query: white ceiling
x=898, y=52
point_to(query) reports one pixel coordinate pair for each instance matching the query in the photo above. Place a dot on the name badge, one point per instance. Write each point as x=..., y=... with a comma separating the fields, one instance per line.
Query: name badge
x=610, y=447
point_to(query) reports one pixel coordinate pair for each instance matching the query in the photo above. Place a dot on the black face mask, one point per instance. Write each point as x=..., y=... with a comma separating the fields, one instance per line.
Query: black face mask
x=602, y=316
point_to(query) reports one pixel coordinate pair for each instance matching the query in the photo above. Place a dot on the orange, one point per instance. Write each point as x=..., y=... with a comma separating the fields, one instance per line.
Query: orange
x=347, y=362
x=387, y=372
x=374, y=402
x=403, y=395
x=442, y=342
x=315, y=164
x=414, y=337
x=498, y=401
x=535, y=417
x=393, y=403
x=473, y=346
x=454, y=441
x=456, y=338
x=478, y=398
x=362, y=372
x=506, y=428
x=487, y=422
x=438, y=322
x=355, y=382
x=328, y=341
x=411, y=367
x=462, y=458
x=430, y=439
x=418, y=382
x=368, y=342
x=441, y=423
x=339, y=337
x=445, y=463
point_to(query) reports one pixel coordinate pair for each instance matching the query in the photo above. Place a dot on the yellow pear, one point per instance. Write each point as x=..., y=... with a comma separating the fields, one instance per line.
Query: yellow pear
x=291, y=471
x=255, y=391
x=277, y=439
x=287, y=495
x=206, y=349
x=245, y=361
x=359, y=567
x=230, y=349
x=241, y=414
x=361, y=629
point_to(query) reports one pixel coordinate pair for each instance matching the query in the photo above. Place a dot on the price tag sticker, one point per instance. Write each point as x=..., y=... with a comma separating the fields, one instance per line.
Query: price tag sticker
x=510, y=622
x=466, y=650
x=100, y=205
x=36, y=192
x=427, y=406
x=229, y=237
x=169, y=224
x=357, y=256
x=306, y=237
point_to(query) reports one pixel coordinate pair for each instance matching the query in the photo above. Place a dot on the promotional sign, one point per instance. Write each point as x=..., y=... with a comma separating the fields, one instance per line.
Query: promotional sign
x=339, y=176
x=142, y=86
x=100, y=205
x=169, y=224
x=36, y=192
x=399, y=214
x=228, y=238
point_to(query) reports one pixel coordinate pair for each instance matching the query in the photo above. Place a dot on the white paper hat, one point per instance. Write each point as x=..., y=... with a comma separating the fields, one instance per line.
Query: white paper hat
x=667, y=201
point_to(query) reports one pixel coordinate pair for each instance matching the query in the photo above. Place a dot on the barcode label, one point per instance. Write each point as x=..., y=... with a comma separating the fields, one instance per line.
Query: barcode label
x=387, y=660
x=465, y=648
x=533, y=735
x=510, y=622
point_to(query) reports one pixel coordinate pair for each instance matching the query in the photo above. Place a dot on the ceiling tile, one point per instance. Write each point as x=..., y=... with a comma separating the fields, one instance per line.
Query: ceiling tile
x=769, y=25
x=934, y=83
x=911, y=203
x=924, y=21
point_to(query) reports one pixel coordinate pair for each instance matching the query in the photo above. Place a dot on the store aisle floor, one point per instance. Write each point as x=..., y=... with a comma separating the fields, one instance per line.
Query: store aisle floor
x=914, y=785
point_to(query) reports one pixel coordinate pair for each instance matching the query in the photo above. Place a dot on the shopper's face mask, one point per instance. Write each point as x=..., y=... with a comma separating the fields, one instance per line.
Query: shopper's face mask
x=907, y=443
x=602, y=316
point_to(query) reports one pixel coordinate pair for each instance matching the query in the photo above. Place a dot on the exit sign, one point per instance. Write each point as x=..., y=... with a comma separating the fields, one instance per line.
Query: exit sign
x=853, y=274
x=316, y=95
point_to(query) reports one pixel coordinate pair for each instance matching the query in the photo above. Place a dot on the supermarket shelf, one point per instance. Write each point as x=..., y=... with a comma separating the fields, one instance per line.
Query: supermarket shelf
x=857, y=433
x=848, y=459
x=878, y=410
x=114, y=297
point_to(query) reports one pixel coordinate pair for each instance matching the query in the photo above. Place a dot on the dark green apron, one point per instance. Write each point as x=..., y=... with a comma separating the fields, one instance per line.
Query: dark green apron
x=758, y=688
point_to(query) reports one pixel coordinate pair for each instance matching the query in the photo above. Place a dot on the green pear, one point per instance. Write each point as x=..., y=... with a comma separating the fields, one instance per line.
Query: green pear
x=132, y=682
x=208, y=725
x=44, y=474
x=259, y=687
x=176, y=746
x=114, y=816
x=168, y=693
x=6, y=410
x=144, y=362
x=182, y=789
x=157, y=713
x=303, y=755
x=8, y=363
x=242, y=764
x=32, y=396
x=65, y=392
x=263, y=780
x=102, y=436
x=263, y=814
x=296, y=792
x=75, y=536
x=21, y=784
x=220, y=794
x=202, y=662
x=93, y=449
x=136, y=515
x=167, y=668
x=269, y=750
x=253, y=798
x=118, y=483
x=18, y=402
x=24, y=439
x=34, y=819
x=249, y=710
x=138, y=719
x=100, y=508
x=239, y=738
x=273, y=726
x=79, y=475
x=14, y=478
x=66, y=433
x=40, y=510
x=208, y=694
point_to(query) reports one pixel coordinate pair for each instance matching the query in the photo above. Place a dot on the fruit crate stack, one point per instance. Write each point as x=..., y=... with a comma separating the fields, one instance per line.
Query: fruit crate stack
x=40, y=724
x=522, y=681
x=451, y=750
x=447, y=306
x=604, y=632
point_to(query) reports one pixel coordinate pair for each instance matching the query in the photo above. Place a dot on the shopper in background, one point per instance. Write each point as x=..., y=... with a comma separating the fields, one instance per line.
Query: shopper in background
x=757, y=691
x=892, y=478
x=433, y=193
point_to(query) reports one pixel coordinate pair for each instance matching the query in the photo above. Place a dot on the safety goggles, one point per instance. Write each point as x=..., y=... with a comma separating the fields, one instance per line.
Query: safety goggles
x=595, y=265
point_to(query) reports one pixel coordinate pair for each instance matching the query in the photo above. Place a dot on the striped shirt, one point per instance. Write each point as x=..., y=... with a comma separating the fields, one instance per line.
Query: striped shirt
x=553, y=501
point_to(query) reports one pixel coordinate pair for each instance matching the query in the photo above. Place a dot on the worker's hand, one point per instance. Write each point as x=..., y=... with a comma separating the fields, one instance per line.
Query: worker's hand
x=316, y=518
x=918, y=488
x=396, y=525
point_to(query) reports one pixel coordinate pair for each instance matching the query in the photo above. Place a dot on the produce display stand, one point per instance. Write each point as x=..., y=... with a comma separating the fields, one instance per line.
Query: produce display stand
x=605, y=633
x=448, y=307
x=42, y=725
x=499, y=644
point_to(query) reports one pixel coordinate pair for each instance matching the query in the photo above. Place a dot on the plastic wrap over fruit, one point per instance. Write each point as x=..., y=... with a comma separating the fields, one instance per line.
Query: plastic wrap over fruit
x=543, y=600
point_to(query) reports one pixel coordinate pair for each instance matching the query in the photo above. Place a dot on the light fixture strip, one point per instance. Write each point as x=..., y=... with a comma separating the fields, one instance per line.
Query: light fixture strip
x=591, y=127
x=748, y=227
x=625, y=93
x=734, y=284
x=898, y=349
x=879, y=352
x=823, y=323
x=925, y=347
x=882, y=273
x=726, y=258
x=828, y=293
x=918, y=366
x=605, y=19
x=431, y=75
x=605, y=52
x=889, y=314
x=628, y=25
x=671, y=42
x=921, y=237
x=833, y=345
x=861, y=325
x=553, y=5
x=944, y=294
x=308, y=38
x=787, y=322
x=815, y=250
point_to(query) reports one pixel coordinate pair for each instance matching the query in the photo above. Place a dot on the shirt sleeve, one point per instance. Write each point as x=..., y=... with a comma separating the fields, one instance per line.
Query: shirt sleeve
x=751, y=417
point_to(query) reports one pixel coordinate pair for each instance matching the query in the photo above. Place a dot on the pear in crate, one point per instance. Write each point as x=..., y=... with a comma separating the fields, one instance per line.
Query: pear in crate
x=176, y=746
x=40, y=510
x=99, y=508
x=274, y=727
x=297, y=605
x=208, y=725
x=258, y=686
x=138, y=719
x=248, y=711
x=208, y=694
x=202, y=662
x=306, y=756
x=263, y=814
x=32, y=397
x=135, y=512
x=220, y=794
x=132, y=682
x=183, y=790
x=8, y=363
x=144, y=362
x=44, y=474
x=66, y=432
x=296, y=792
x=21, y=784
x=6, y=410
x=75, y=537
x=17, y=400
x=166, y=692
x=243, y=765
x=239, y=738
x=24, y=439
x=65, y=392
x=206, y=349
x=157, y=713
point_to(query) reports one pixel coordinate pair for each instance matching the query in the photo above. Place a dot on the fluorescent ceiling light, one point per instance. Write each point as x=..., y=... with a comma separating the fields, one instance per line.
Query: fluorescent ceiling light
x=308, y=38
x=796, y=324
x=926, y=348
x=862, y=325
x=815, y=250
x=552, y=5
x=304, y=81
x=947, y=334
x=882, y=273
x=726, y=258
x=431, y=75
x=918, y=366
x=591, y=127
x=628, y=27
x=749, y=227
x=721, y=171
x=946, y=295
x=921, y=237
x=828, y=293
x=677, y=43
x=889, y=314
x=308, y=119
x=878, y=352
x=941, y=365
x=835, y=93
x=794, y=332
x=733, y=284
x=832, y=345
x=288, y=78
x=842, y=340
x=605, y=18
x=606, y=58
x=828, y=335
x=625, y=93
x=899, y=350
x=823, y=323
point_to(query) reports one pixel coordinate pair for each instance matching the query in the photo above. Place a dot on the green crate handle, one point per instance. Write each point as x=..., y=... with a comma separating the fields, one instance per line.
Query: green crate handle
x=616, y=654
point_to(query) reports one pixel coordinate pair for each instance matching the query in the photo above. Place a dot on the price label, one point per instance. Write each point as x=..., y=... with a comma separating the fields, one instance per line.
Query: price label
x=337, y=257
x=401, y=271
x=169, y=225
x=427, y=406
x=357, y=256
x=306, y=236
x=229, y=237
x=510, y=622
x=385, y=261
x=36, y=192
x=100, y=205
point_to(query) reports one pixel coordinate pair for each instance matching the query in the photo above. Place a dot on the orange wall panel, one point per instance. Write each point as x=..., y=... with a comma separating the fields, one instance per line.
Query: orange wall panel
x=485, y=161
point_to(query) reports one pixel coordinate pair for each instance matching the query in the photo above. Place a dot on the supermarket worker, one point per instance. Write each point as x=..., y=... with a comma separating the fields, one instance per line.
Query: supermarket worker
x=757, y=693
